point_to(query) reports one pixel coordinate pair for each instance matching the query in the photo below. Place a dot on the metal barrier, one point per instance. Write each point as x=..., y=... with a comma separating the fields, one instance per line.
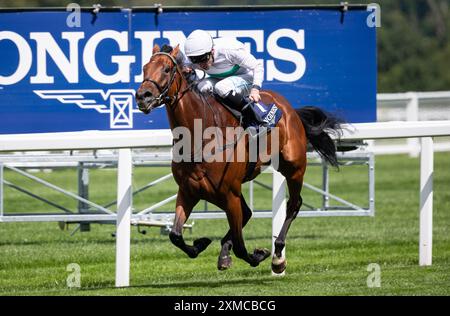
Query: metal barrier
x=88, y=211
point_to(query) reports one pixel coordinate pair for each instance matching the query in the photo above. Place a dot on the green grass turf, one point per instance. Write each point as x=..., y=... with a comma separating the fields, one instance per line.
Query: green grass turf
x=326, y=256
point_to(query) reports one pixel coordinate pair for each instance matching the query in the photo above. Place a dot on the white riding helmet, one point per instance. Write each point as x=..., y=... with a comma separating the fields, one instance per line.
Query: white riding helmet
x=198, y=43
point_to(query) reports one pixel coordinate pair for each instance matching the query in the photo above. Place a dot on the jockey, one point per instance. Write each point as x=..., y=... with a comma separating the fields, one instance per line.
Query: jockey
x=234, y=75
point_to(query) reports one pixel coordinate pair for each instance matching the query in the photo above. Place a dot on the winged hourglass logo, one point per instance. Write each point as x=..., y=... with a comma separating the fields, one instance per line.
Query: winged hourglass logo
x=118, y=103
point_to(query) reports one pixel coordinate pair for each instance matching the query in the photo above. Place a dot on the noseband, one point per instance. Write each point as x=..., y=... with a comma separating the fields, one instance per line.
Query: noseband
x=163, y=93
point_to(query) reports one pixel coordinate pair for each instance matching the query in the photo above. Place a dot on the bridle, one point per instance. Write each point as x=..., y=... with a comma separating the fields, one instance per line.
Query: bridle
x=164, y=97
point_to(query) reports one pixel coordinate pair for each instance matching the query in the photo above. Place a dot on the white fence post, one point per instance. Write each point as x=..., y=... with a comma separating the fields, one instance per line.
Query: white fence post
x=251, y=187
x=124, y=204
x=412, y=114
x=426, y=202
x=278, y=209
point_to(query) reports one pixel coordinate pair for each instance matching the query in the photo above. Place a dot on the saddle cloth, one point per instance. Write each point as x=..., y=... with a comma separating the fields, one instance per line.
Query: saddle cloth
x=270, y=114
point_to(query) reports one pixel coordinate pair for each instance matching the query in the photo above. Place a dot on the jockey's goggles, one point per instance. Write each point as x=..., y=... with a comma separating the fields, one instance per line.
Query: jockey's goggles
x=200, y=59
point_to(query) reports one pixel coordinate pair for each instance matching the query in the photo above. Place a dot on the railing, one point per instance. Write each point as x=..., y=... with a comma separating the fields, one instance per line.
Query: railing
x=411, y=106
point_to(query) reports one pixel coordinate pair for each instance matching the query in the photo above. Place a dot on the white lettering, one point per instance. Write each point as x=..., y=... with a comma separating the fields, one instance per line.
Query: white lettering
x=47, y=44
x=65, y=54
x=188, y=306
x=123, y=62
x=25, y=58
x=286, y=54
x=147, y=41
x=174, y=37
x=256, y=35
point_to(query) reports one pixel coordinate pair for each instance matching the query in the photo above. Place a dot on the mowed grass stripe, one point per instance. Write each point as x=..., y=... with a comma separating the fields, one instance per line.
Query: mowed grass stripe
x=326, y=256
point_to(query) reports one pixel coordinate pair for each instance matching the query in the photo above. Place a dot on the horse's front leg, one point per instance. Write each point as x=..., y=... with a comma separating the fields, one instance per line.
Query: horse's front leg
x=235, y=220
x=224, y=261
x=184, y=207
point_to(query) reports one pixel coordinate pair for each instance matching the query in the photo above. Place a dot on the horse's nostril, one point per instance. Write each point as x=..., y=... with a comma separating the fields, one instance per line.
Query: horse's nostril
x=141, y=96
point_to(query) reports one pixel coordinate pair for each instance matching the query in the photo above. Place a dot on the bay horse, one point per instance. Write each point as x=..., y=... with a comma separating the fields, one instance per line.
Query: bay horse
x=220, y=183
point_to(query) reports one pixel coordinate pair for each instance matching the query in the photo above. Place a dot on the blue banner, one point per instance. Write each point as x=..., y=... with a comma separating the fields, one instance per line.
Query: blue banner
x=60, y=72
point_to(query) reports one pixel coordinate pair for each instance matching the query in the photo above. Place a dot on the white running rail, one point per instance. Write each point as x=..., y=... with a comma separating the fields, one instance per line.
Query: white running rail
x=411, y=106
x=125, y=140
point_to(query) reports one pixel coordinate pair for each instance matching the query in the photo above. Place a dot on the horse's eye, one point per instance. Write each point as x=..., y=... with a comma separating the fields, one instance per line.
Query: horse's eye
x=167, y=69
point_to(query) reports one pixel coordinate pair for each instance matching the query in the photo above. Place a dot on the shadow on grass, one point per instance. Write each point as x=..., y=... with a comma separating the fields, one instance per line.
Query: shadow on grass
x=187, y=284
x=138, y=241
x=208, y=283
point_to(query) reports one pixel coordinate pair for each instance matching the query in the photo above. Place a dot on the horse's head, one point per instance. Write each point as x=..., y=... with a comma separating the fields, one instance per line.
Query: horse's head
x=158, y=87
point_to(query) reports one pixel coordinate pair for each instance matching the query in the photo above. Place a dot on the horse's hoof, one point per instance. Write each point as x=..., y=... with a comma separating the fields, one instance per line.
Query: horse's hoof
x=224, y=263
x=201, y=244
x=191, y=251
x=278, y=265
x=259, y=255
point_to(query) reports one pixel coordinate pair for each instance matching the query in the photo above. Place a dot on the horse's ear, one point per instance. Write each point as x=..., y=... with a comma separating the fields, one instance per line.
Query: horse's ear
x=156, y=49
x=175, y=51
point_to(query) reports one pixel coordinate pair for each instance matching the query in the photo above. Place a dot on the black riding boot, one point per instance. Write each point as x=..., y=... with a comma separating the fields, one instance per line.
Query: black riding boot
x=236, y=102
x=245, y=106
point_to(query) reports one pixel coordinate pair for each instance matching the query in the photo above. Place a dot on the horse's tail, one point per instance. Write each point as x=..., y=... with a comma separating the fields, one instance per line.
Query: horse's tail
x=318, y=127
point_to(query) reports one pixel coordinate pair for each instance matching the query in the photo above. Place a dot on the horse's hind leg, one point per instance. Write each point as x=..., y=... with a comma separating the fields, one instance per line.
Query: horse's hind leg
x=292, y=209
x=183, y=210
x=224, y=261
x=235, y=220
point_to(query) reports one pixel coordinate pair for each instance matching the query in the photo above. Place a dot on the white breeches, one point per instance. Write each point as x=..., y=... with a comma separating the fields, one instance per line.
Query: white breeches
x=236, y=85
